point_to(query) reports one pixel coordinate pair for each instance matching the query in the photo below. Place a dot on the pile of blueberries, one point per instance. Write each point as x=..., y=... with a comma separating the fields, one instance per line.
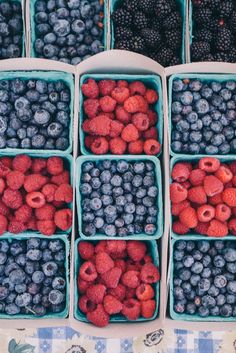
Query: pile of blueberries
x=119, y=198
x=203, y=116
x=32, y=277
x=205, y=278
x=11, y=29
x=68, y=31
x=34, y=114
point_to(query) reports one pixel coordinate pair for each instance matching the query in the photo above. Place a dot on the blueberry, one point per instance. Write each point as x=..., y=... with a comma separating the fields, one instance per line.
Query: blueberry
x=204, y=284
x=178, y=85
x=178, y=293
x=12, y=309
x=195, y=136
x=192, y=117
x=188, y=261
x=110, y=230
x=211, y=150
x=150, y=229
x=197, y=267
x=182, y=126
x=203, y=311
x=190, y=308
x=219, y=261
x=50, y=268
x=179, y=307
x=184, y=274
x=231, y=287
x=202, y=106
x=176, y=107
x=38, y=141
x=89, y=229
x=220, y=281
x=186, y=98
x=206, y=92
x=226, y=310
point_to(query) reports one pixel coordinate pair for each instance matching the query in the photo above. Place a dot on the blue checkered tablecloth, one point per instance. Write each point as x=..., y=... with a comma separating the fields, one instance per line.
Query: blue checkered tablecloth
x=66, y=340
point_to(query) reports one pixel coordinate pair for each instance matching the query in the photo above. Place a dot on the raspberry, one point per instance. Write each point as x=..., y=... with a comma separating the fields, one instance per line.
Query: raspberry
x=140, y=121
x=39, y=165
x=151, y=147
x=82, y=285
x=22, y=163
x=2, y=185
x=215, y=200
x=88, y=140
x=23, y=214
x=63, y=219
x=131, y=309
x=35, y=199
x=16, y=227
x=4, y=210
x=46, y=227
x=96, y=293
x=130, y=293
x=151, y=133
x=88, y=271
x=209, y=164
x=232, y=167
x=122, y=83
x=32, y=224
x=178, y=193
x=197, y=195
x=120, y=263
x=131, y=265
x=103, y=262
x=179, y=228
x=234, y=181
x=101, y=246
x=111, y=278
x=115, y=246
x=120, y=94
x=111, y=116
x=107, y=104
x=232, y=226
x=229, y=197
x=3, y=224
x=98, y=317
x=131, y=279
x=100, y=125
x=116, y=128
x=112, y=305
x=136, y=249
x=176, y=208
x=205, y=213
x=196, y=177
x=232, y=209
x=137, y=87
x=212, y=185
x=86, y=126
x=34, y=182
x=12, y=198
x=118, y=292
x=217, y=229
x=202, y=228
x=122, y=115
x=45, y=213
x=100, y=146
x=91, y=107
x=144, y=292
x=117, y=145
x=180, y=172
x=223, y=212
x=86, y=305
x=136, y=104
x=186, y=184
x=7, y=161
x=152, y=117
x=4, y=170
x=130, y=133
x=49, y=191
x=90, y=88
x=150, y=273
x=188, y=217
x=224, y=174
x=63, y=178
x=55, y=165
x=148, y=308
x=106, y=87
x=151, y=96
x=136, y=147
x=64, y=193
x=86, y=250
x=15, y=179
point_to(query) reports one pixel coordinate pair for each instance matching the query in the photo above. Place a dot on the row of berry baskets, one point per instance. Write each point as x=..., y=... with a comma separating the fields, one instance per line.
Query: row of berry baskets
x=71, y=31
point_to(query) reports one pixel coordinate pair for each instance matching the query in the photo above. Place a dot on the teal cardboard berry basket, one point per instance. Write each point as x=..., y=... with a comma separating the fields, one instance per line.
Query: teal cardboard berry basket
x=33, y=35
x=79, y=315
x=204, y=78
x=195, y=317
x=69, y=165
x=193, y=159
x=152, y=81
x=159, y=204
x=61, y=315
x=48, y=76
x=183, y=11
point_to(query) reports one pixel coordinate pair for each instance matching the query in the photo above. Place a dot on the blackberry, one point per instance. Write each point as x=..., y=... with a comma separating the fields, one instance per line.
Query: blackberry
x=151, y=37
x=223, y=39
x=138, y=44
x=214, y=4
x=232, y=21
x=164, y=56
x=173, y=21
x=173, y=39
x=232, y=55
x=218, y=57
x=131, y=5
x=175, y=61
x=147, y=6
x=155, y=23
x=122, y=17
x=140, y=20
x=123, y=33
x=162, y=9
x=152, y=55
x=202, y=16
x=203, y=35
x=225, y=8
x=200, y=3
x=199, y=50
x=124, y=44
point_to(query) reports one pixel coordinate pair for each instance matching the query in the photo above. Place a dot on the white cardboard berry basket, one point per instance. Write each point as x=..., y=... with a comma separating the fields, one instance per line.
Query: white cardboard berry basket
x=121, y=62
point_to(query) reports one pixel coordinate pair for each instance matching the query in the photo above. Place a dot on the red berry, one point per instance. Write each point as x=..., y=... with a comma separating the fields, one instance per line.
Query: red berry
x=130, y=133
x=100, y=125
x=116, y=128
x=88, y=271
x=196, y=177
x=34, y=182
x=205, y=213
x=151, y=147
x=39, y=165
x=151, y=133
x=136, y=147
x=176, y=208
x=145, y=292
x=179, y=228
x=46, y=227
x=16, y=227
x=217, y=229
x=212, y=185
x=188, y=217
x=96, y=292
x=15, y=179
x=151, y=96
x=224, y=174
x=103, y=262
x=131, y=309
x=136, y=249
x=63, y=178
x=150, y=273
x=107, y=104
x=86, y=305
x=100, y=146
x=229, y=197
x=106, y=87
x=3, y=224
x=141, y=122
x=153, y=117
x=180, y=172
x=55, y=165
x=148, y=308
x=90, y=88
x=22, y=163
x=117, y=145
x=137, y=87
x=178, y=193
x=111, y=278
x=209, y=164
x=86, y=250
x=120, y=94
x=122, y=115
x=232, y=226
x=99, y=316
x=118, y=292
x=223, y=212
x=197, y=195
x=64, y=193
x=45, y=213
x=112, y=305
x=131, y=279
x=35, y=199
x=12, y=198
x=23, y=213
x=63, y=219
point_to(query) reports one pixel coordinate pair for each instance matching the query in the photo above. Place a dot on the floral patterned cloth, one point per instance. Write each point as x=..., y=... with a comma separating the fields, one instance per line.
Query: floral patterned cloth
x=66, y=340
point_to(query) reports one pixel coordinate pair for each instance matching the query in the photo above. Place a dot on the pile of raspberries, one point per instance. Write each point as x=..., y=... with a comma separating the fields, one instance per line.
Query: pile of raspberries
x=116, y=277
x=120, y=117
x=35, y=193
x=203, y=197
